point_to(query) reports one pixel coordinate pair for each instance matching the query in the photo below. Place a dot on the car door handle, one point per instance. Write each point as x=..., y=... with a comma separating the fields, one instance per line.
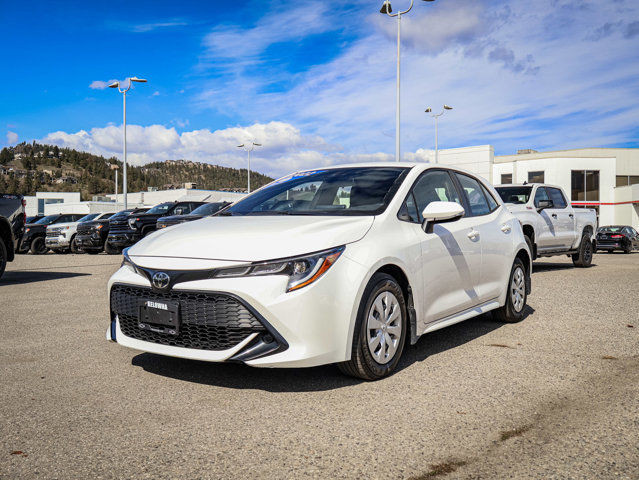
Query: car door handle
x=505, y=228
x=554, y=215
x=473, y=234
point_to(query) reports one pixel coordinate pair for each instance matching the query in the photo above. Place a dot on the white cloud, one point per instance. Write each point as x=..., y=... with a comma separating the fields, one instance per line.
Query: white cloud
x=155, y=94
x=148, y=27
x=12, y=138
x=101, y=85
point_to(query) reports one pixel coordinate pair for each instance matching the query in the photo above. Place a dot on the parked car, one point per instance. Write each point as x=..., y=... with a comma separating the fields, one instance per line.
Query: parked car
x=61, y=237
x=12, y=220
x=202, y=211
x=617, y=237
x=91, y=235
x=340, y=265
x=126, y=233
x=551, y=225
x=33, y=219
x=34, y=233
x=119, y=223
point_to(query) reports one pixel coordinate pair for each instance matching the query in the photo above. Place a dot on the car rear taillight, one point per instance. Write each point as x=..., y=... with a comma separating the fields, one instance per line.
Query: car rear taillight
x=616, y=236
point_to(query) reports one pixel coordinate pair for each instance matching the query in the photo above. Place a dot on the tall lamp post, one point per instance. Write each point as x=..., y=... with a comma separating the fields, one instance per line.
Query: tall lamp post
x=386, y=9
x=123, y=92
x=249, y=147
x=436, y=117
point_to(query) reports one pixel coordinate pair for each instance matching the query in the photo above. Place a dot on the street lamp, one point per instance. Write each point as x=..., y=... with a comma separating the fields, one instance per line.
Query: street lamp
x=387, y=9
x=249, y=148
x=436, y=117
x=123, y=91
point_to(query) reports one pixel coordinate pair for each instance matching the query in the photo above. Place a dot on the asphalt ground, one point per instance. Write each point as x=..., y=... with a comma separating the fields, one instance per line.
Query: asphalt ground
x=555, y=396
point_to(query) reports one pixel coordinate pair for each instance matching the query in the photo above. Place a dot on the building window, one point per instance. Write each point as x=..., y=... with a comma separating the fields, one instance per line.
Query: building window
x=625, y=180
x=584, y=186
x=506, y=178
x=535, y=177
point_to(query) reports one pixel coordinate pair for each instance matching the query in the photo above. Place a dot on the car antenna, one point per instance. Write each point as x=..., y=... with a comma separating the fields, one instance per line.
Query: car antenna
x=525, y=182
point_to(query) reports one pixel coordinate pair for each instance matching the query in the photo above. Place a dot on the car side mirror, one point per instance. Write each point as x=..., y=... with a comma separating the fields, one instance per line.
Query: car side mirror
x=441, y=212
x=541, y=204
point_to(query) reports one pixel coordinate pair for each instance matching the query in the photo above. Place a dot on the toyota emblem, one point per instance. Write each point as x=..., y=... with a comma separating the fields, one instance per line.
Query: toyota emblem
x=161, y=280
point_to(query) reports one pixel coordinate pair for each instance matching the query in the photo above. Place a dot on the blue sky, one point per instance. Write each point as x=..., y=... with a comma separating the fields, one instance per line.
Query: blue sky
x=314, y=81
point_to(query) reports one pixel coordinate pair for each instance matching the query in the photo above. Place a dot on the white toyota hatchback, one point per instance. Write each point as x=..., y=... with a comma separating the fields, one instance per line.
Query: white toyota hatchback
x=339, y=265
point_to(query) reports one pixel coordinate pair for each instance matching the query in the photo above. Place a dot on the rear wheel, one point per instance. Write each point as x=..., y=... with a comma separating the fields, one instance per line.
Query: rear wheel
x=583, y=257
x=38, y=246
x=513, y=309
x=380, y=330
x=3, y=257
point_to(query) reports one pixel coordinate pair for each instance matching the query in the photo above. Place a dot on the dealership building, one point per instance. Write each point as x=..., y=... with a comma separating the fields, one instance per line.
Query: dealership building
x=604, y=179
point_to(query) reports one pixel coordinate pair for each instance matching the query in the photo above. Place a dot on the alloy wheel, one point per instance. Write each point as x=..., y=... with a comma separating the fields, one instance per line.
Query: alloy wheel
x=518, y=289
x=384, y=327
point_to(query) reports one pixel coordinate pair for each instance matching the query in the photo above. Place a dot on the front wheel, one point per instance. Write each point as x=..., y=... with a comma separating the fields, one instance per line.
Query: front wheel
x=627, y=249
x=38, y=247
x=380, y=330
x=516, y=297
x=583, y=257
x=111, y=250
x=3, y=257
x=74, y=247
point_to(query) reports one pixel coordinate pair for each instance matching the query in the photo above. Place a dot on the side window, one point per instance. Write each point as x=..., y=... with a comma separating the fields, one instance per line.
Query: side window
x=492, y=203
x=557, y=198
x=432, y=186
x=474, y=194
x=540, y=195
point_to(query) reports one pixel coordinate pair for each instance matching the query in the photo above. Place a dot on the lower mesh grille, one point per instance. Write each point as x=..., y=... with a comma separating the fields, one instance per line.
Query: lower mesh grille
x=209, y=321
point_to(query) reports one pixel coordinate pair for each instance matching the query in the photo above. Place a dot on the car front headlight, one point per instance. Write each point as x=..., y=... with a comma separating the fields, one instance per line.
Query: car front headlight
x=127, y=263
x=301, y=271
x=132, y=222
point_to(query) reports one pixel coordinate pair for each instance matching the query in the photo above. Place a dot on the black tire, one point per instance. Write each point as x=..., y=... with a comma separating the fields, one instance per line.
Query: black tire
x=509, y=313
x=583, y=257
x=627, y=249
x=362, y=364
x=3, y=257
x=73, y=246
x=111, y=250
x=38, y=247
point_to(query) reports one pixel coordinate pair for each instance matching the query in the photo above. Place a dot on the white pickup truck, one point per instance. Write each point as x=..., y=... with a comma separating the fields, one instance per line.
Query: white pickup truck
x=60, y=237
x=550, y=224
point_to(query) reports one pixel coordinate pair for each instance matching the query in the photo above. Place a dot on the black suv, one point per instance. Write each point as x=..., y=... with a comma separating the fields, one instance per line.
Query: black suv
x=127, y=231
x=202, y=211
x=91, y=236
x=12, y=220
x=34, y=233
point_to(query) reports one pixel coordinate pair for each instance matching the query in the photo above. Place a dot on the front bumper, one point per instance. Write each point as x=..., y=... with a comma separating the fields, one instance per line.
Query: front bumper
x=122, y=240
x=56, y=242
x=315, y=323
x=89, y=241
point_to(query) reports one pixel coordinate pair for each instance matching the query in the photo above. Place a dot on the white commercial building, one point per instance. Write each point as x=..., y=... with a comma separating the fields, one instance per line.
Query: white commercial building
x=153, y=197
x=44, y=202
x=604, y=179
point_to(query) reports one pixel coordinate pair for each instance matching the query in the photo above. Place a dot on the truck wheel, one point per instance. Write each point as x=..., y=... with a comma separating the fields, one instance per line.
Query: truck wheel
x=513, y=309
x=380, y=330
x=111, y=250
x=3, y=257
x=73, y=246
x=583, y=257
x=38, y=247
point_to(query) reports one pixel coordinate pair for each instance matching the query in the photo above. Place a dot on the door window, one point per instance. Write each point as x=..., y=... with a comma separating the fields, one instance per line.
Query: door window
x=475, y=195
x=540, y=195
x=557, y=197
x=432, y=186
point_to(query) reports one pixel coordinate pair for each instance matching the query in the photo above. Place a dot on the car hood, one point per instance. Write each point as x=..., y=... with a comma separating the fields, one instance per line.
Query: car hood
x=67, y=224
x=179, y=218
x=252, y=238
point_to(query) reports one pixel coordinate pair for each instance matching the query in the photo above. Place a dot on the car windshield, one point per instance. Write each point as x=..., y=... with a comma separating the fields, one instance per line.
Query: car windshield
x=611, y=229
x=123, y=213
x=106, y=215
x=208, y=208
x=88, y=217
x=161, y=208
x=31, y=219
x=516, y=195
x=47, y=220
x=338, y=191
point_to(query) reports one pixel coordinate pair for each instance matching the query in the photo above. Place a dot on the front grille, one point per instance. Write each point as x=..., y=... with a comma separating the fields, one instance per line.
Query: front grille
x=209, y=321
x=84, y=229
x=53, y=233
x=119, y=226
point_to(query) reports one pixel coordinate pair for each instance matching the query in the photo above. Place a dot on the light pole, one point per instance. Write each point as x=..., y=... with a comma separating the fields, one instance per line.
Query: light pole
x=249, y=147
x=116, y=168
x=386, y=8
x=436, y=117
x=123, y=92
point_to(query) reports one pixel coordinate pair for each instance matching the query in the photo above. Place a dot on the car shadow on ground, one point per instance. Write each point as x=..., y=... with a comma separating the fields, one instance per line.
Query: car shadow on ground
x=22, y=277
x=328, y=377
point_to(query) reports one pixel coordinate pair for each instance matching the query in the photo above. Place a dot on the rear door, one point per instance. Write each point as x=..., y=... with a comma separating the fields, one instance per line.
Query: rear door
x=451, y=254
x=563, y=218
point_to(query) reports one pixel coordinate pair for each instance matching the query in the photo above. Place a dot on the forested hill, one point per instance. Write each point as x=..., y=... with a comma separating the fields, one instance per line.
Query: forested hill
x=30, y=167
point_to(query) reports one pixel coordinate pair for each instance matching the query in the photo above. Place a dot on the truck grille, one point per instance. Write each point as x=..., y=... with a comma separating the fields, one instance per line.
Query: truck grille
x=53, y=233
x=84, y=229
x=119, y=226
x=209, y=321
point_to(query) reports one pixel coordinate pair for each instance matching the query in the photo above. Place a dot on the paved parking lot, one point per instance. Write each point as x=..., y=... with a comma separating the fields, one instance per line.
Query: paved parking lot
x=555, y=396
